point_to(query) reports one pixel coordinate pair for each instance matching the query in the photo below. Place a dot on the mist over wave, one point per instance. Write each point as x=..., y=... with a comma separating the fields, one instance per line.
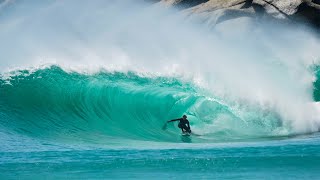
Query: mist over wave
x=122, y=69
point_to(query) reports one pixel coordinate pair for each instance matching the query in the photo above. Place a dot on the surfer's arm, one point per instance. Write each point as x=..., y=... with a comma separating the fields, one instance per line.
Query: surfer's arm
x=174, y=120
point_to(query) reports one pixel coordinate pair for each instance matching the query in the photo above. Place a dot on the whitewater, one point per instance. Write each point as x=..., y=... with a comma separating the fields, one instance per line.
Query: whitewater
x=86, y=87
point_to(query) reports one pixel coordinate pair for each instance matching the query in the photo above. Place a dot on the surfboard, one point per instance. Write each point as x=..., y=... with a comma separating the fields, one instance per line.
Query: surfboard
x=185, y=134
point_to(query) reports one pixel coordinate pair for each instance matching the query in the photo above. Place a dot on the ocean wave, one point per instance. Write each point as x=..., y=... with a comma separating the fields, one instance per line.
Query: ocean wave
x=53, y=103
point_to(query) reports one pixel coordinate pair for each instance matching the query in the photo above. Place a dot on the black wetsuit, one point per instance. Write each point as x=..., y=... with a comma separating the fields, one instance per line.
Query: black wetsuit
x=183, y=124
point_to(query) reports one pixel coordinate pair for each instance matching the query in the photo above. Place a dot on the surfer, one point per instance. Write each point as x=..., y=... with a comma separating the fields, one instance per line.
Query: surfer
x=183, y=124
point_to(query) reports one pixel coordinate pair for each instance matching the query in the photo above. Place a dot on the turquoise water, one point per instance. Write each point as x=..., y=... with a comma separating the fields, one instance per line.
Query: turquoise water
x=58, y=124
x=270, y=160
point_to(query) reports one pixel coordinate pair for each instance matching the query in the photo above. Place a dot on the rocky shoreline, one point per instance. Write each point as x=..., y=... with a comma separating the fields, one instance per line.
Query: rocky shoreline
x=213, y=12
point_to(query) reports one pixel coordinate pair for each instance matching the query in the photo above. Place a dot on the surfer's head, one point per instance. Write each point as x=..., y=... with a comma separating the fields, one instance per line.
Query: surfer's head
x=184, y=117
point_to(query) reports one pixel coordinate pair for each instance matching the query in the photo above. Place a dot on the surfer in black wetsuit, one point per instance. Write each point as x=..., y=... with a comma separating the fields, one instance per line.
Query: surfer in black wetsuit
x=183, y=124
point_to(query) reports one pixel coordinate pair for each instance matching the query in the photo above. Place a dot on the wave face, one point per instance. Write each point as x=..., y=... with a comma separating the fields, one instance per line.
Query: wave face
x=52, y=103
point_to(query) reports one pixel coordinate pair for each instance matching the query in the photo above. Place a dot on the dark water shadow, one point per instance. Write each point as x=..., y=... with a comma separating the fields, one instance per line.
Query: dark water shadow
x=186, y=139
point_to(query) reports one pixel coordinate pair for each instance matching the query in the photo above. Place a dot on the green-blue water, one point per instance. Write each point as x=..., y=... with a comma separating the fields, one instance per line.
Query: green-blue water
x=58, y=124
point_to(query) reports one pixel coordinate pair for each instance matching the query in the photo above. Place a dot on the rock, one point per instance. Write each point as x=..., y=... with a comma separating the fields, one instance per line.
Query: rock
x=310, y=12
x=183, y=3
x=213, y=12
x=316, y=1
